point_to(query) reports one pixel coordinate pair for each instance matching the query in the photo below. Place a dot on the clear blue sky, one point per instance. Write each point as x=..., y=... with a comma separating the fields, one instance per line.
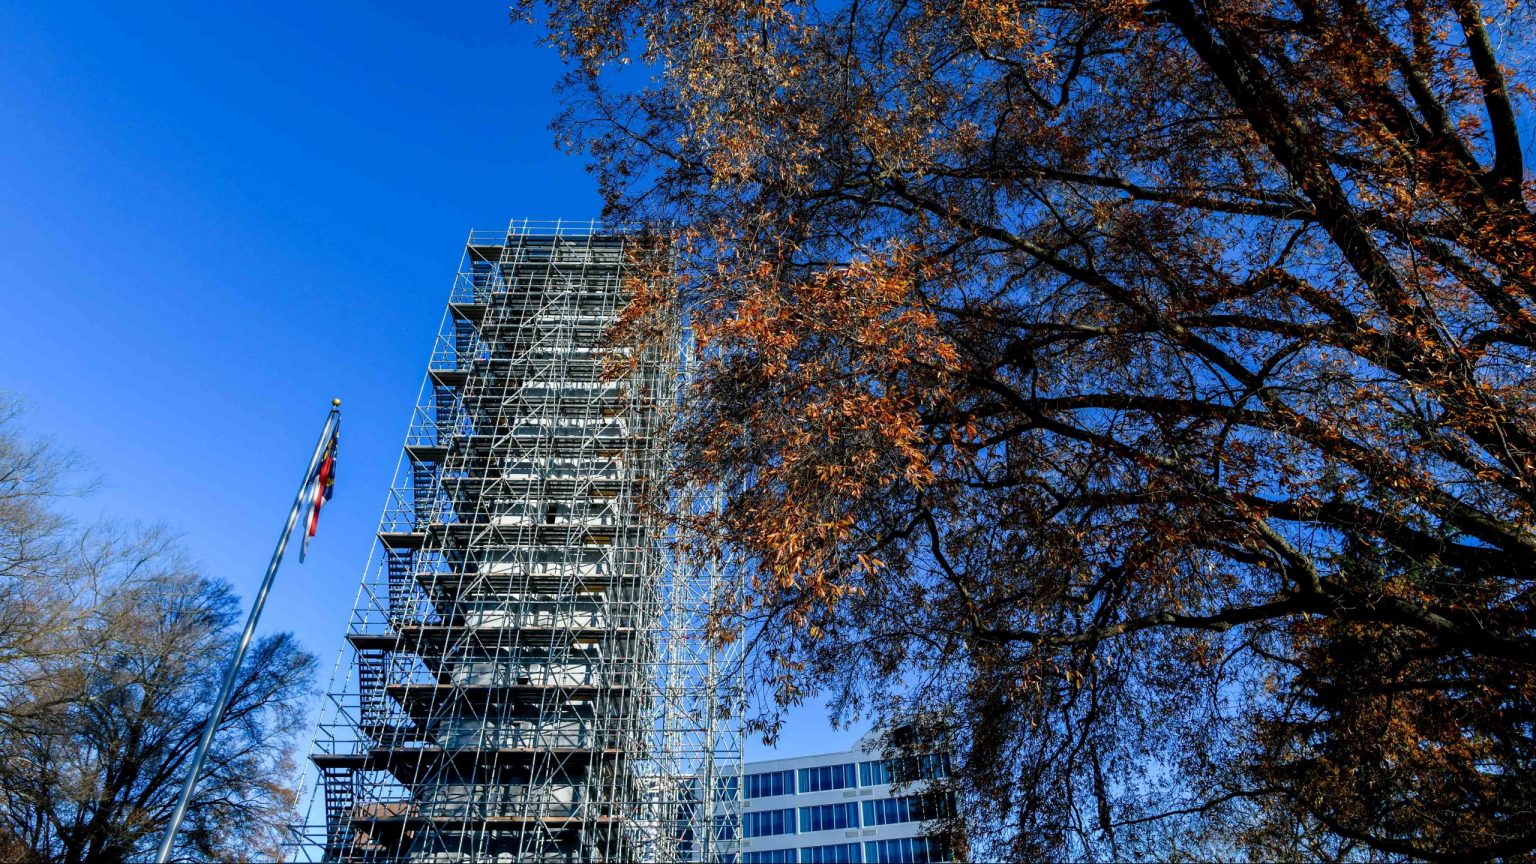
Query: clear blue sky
x=216, y=216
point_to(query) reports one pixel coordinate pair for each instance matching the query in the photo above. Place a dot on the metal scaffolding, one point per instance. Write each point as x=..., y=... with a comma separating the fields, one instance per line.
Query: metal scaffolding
x=528, y=676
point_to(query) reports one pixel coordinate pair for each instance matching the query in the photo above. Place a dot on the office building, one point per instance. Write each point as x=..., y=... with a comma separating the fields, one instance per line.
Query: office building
x=843, y=808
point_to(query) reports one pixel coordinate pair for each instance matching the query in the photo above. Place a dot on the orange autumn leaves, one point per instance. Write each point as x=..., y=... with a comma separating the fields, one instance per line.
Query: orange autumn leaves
x=849, y=358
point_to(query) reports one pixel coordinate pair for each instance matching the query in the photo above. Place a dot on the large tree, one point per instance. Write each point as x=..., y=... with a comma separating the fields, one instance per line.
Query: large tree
x=1146, y=383
x=111, y=649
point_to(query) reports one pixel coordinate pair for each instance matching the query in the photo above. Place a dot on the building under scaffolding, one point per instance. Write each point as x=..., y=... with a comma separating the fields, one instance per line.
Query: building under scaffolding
x=527, y=675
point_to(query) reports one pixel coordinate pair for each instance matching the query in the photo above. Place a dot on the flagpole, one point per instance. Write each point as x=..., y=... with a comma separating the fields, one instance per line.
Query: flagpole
x=222, y=701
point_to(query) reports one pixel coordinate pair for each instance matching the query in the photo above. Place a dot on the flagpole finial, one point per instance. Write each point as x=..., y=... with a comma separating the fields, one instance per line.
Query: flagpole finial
x=336, y=403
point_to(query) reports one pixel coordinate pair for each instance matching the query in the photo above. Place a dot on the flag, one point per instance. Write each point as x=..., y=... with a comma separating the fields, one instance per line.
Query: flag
x=321, y=486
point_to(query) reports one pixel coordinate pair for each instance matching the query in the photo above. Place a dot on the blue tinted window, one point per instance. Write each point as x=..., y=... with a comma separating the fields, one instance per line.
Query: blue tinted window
x=874, y=773
x=767, y=823
x=841, y=853
x=907, y=850
x=933, y=766
x=908, y=808
x=827, y=777
x=929, y=766
x=770, y=856
x=770, y=783
x=828, y=817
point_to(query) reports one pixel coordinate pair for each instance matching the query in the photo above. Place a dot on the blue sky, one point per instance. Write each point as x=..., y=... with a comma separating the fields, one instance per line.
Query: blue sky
x=214, y=217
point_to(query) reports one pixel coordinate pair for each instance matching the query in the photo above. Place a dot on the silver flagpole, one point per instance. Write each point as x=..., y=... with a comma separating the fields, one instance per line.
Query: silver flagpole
x=245, y=642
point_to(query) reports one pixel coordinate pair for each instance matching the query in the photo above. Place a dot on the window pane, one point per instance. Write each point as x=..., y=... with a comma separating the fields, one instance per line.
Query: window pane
x=874, y=773
x=825, y=777
x=770, y=783
x=841, y=853
x=908, y=850
x=828, y=817
x=767, y=823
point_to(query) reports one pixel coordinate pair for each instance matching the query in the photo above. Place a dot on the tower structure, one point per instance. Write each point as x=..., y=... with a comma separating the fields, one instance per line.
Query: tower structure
x=527, y=675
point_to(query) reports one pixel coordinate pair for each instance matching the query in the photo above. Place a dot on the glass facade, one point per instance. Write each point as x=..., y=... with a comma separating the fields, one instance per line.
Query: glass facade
x=874, y=772
x=767, y=823
x=837, y=853
x=772, y=856
x=908, y=808
x=932, y=766
x=826, y=777
x=770, y=783
x=904, y=850
x=829, y=817
x=854, y=810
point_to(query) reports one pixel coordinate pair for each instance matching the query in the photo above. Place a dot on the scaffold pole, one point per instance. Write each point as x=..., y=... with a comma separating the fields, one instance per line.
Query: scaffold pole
x=222, y=702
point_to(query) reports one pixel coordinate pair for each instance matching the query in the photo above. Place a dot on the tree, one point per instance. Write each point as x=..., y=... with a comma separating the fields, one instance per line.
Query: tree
x=1147, y=382
x=32, y=540
x=112, y=647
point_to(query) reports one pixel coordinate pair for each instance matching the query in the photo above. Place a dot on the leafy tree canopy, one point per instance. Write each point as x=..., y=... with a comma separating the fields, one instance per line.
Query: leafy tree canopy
x=1145, y=386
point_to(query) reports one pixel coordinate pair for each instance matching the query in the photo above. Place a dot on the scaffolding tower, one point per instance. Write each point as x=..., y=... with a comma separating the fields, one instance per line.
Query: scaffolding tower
x=527, y=674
